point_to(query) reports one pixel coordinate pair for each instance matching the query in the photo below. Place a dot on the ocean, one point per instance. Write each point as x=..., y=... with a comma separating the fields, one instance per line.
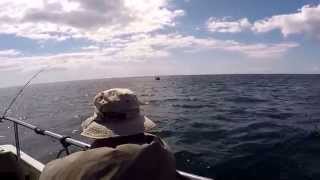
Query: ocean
x=239, y=127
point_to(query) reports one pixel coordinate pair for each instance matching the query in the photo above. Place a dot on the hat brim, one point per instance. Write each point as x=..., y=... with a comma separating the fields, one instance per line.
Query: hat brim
x=100, y=130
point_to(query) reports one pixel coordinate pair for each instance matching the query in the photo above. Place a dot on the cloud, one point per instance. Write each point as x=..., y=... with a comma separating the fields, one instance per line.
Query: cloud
x=305, y=21
x=91, y=47
x=261, y=50
x=159, y=46
x=227, y=26
x=85, y=14
x=140, y=48
x=9, y=53
x=192, y=44
x=122, y=30
x=96, y=20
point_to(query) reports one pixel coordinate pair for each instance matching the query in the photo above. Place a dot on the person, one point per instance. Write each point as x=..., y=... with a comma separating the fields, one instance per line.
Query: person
x=122, y=148
x=117, y=119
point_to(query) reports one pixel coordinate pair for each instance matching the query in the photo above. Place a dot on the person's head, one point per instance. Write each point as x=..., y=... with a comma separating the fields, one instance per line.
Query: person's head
x=117, y=113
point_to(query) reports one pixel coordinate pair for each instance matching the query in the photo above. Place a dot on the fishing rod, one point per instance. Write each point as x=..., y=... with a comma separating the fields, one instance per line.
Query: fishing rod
x=21, y=91
x=66, y=141
x=14, y=99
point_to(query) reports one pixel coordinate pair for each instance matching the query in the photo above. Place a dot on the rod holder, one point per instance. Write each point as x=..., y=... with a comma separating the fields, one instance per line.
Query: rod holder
x=17, y=141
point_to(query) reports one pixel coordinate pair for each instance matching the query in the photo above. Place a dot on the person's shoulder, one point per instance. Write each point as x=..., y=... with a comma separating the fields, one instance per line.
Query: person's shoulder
x=78, y=162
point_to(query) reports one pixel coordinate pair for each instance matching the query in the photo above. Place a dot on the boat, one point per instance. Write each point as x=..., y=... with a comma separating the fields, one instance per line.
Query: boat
x=15, y=164
x=157, y=78
x=24, y=168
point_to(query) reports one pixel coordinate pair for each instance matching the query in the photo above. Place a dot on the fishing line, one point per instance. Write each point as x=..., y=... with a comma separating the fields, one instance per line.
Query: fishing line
x=21, y=91
x=15, y=125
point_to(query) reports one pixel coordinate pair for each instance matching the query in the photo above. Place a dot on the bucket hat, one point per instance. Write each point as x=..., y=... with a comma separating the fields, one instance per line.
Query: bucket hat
x=117, y=113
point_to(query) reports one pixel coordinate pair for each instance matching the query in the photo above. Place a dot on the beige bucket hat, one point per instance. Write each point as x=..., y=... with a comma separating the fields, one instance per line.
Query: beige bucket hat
x=117, y=113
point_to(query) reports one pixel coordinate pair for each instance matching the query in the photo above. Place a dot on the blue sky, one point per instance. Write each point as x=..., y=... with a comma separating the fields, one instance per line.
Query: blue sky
x=83, y=39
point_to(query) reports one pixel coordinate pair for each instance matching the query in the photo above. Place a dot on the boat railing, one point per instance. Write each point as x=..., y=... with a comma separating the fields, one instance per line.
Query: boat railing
x=66, y=141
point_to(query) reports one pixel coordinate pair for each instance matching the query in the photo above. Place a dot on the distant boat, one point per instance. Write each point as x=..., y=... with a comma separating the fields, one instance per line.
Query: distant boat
x=157, y=78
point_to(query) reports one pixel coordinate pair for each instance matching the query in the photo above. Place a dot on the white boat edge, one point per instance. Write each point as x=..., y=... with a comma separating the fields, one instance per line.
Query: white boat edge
x=31, y=162
x=35, y=167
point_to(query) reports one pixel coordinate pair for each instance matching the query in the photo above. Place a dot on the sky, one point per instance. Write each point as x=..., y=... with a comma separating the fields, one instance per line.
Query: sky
x=82, y=39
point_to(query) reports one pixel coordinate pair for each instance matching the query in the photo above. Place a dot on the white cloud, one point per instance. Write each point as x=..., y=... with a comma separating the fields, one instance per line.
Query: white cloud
x=91, y=47
x=9, y=53
x=194, y=44
x=120, y=31
x=306, y=20
x=227, y=26
x=97, y=20
x=261, y=50
x=142, y=48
